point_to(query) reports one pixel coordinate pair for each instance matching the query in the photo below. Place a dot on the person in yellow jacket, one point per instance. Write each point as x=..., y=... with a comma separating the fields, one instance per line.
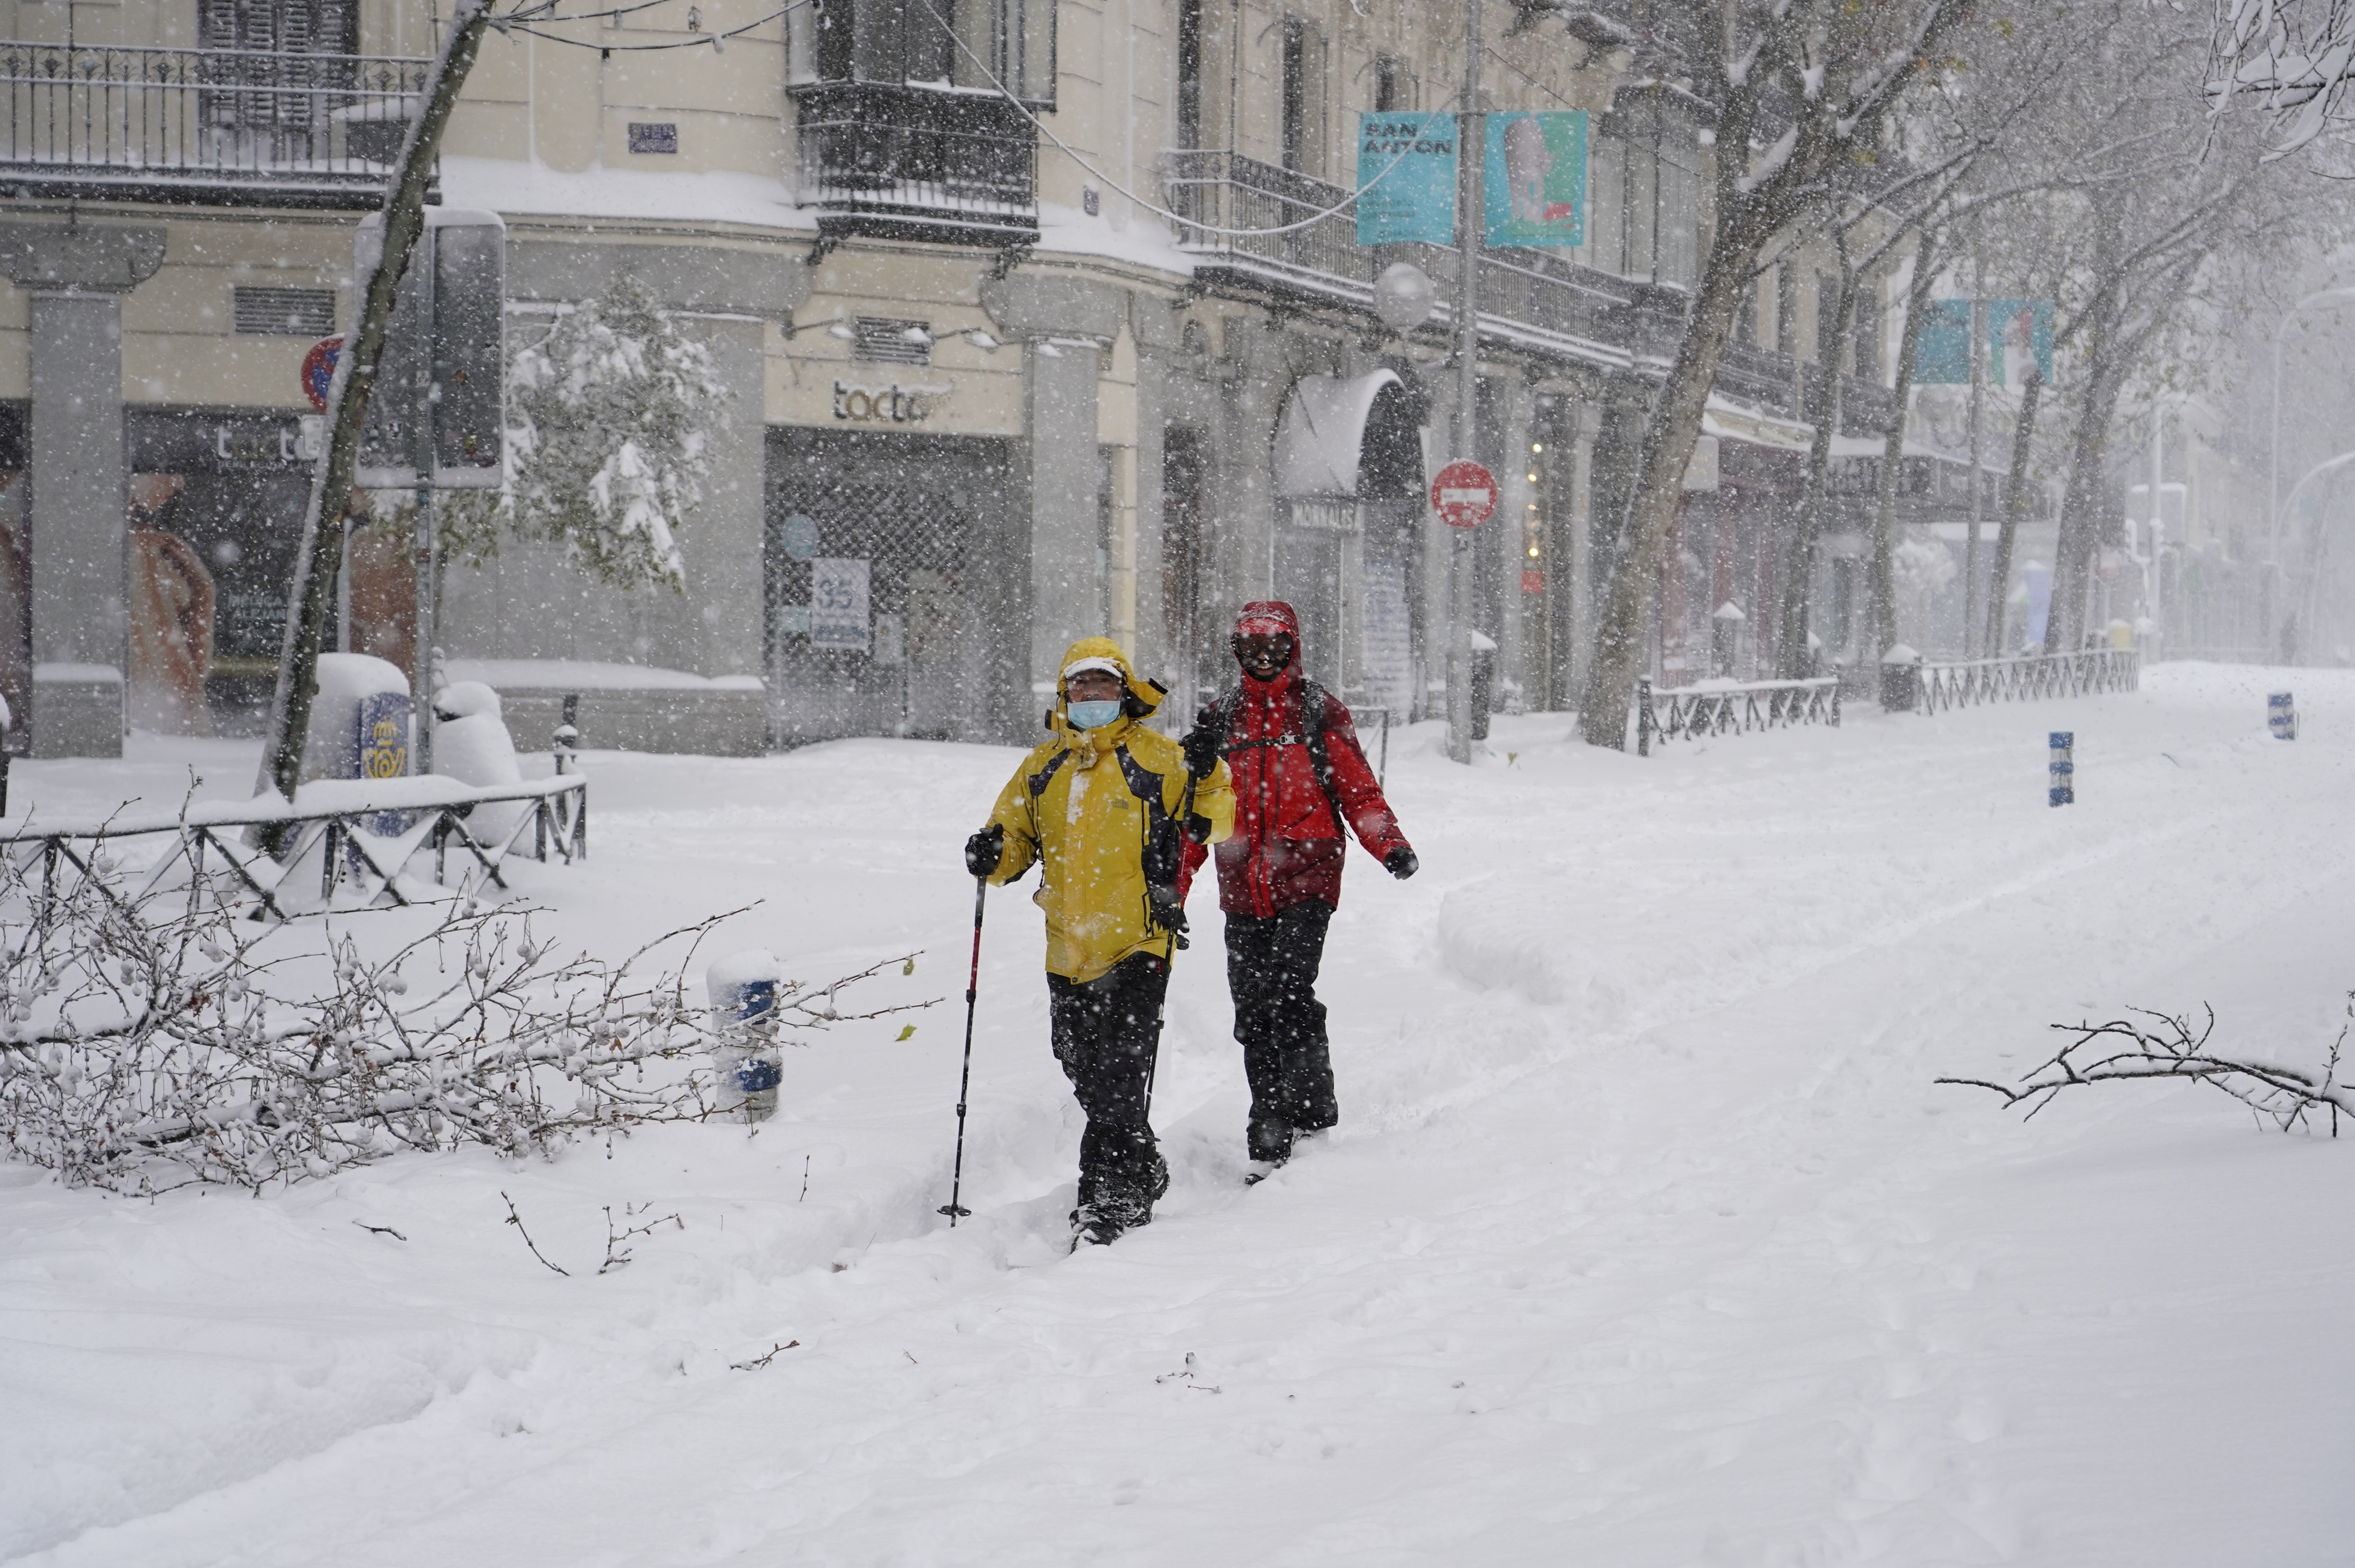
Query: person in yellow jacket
x=1104, y=808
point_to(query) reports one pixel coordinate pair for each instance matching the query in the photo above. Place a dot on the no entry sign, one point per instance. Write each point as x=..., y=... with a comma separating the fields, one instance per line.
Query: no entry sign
x=1464, y=494
x=319, y=369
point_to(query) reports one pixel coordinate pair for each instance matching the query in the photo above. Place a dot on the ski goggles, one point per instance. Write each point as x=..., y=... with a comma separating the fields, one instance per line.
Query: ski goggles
x=1257, y=647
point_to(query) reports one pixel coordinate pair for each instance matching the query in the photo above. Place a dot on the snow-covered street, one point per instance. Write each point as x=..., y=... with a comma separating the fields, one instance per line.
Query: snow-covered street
x=1645, y=1240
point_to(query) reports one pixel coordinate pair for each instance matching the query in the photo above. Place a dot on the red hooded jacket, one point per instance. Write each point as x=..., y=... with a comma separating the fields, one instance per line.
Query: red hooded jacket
x=1288, y=845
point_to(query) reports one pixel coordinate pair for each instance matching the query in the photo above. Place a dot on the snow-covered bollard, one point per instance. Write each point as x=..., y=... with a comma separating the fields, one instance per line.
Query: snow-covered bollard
x=1901, y=679
x=2063, y=747
x=2281, y=716
x=744, y=1058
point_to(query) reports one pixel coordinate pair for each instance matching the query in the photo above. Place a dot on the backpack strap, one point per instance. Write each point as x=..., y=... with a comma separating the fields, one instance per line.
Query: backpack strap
x=1312, y=732
x=1163, y=851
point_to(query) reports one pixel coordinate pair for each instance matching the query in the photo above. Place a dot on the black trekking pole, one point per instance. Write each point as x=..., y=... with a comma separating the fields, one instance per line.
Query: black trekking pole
x=964, y=1081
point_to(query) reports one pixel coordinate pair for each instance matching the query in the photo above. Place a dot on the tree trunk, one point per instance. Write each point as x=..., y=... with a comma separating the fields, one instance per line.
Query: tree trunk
x=318, y=557
x=1893, y=454
x=1669, y=437
x=2064, y=626
x=1791, y=628
x=2015, y=493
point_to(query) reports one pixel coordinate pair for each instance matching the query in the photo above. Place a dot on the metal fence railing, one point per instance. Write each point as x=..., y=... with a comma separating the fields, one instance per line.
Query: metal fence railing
x=235, y=126
x=368, y=832
x=1731, y=707
x=2028, y=678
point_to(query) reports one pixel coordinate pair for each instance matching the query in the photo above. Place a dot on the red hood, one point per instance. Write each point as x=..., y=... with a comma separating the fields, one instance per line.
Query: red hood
x=1283, y=614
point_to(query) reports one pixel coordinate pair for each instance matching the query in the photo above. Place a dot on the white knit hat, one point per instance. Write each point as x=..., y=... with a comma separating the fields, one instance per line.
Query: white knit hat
x=1081, y=666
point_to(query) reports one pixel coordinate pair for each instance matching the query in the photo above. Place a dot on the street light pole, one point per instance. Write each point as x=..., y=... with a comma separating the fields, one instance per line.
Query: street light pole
x=1471, y=147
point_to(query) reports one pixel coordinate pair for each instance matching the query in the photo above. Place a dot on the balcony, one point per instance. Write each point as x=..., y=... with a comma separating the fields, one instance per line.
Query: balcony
x=913, y=163
x=1584, y=313
x=210, y=127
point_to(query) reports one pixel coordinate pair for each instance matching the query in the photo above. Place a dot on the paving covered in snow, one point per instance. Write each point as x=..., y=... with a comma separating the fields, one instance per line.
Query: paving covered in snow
x=1647, y=1238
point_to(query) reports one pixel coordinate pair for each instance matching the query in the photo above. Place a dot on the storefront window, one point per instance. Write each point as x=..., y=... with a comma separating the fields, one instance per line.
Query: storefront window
x=217, y=504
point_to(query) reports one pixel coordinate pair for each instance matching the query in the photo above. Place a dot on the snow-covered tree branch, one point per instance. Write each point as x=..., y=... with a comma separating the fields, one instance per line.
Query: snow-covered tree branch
x=613, y=406
x=148, y=1045
x=2160, y=1046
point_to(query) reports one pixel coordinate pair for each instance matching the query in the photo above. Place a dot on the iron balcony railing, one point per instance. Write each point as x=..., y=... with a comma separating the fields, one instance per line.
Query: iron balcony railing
x=215, y=126
x=1282, y=226
x=918, y=164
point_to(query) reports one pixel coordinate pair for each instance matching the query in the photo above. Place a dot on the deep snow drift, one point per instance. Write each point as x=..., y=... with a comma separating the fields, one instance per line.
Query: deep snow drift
x=1647, y=1238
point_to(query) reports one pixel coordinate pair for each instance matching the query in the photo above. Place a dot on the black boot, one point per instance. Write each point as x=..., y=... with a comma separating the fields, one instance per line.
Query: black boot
x=1269, y=1141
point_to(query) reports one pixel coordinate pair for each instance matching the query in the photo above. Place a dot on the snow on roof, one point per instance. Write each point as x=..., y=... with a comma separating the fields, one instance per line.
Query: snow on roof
x=514, y=185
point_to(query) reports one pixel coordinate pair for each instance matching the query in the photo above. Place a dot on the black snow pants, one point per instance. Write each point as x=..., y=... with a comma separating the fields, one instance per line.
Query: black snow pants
x=1107, y=1032
x=1272, y=972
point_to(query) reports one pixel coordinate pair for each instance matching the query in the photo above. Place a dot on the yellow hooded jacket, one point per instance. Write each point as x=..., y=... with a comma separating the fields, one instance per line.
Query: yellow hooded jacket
x=1092, y=804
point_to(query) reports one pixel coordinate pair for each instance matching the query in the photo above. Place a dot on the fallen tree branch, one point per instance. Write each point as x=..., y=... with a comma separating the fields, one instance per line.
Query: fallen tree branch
x=2162, y=1046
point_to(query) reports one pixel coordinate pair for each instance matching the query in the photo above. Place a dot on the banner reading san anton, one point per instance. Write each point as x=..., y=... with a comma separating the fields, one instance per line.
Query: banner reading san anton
x=1406, y=179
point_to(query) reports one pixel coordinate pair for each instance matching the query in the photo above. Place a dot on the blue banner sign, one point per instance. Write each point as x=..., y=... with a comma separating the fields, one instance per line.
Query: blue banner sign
x=1534, y=178
x=2016, y=329
x=1406, y=179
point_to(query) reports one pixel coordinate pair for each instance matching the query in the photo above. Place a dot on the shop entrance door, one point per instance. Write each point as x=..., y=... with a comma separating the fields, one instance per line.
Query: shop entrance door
x=944, y=615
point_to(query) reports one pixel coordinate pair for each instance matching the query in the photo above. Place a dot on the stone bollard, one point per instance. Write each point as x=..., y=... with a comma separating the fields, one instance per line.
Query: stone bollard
x=744, y=1056
x=1901, y=679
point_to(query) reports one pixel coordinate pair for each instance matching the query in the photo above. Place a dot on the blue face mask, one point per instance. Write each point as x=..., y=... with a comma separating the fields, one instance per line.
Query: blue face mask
x=1094, y=716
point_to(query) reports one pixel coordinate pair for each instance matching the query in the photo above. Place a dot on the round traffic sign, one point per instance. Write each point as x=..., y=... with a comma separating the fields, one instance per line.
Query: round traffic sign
x=319, y=370
x=1464, y=494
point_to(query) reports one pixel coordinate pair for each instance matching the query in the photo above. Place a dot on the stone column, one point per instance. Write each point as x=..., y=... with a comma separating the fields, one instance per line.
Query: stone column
x=1579, y=425
x=80, y=467
x=1067, y=324
x=1153, y=326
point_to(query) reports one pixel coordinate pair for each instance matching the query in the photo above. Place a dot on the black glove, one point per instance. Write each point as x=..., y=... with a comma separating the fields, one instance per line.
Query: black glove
x=1201, y=747
x=1400, y=862
x=984, y=850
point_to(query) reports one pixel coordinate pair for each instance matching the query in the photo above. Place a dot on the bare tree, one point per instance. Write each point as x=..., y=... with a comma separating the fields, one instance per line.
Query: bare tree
x=1798, y=89
x=311, y=590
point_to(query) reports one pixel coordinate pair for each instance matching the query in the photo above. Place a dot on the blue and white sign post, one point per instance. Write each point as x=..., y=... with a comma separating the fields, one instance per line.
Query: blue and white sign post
x=744, y=1059
x=2281, y=716
x=2064, y=768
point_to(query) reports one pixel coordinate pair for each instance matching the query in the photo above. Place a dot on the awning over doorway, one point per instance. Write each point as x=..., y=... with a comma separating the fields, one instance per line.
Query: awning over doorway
x=1322, y=432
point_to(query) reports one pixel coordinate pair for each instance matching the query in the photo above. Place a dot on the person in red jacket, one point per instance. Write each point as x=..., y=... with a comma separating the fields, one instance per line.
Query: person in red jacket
x=1299, y=776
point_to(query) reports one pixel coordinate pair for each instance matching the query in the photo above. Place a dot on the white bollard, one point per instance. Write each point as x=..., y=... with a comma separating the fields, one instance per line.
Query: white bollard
x=2064, y=775
x=2281, y=716
x=744, y=1056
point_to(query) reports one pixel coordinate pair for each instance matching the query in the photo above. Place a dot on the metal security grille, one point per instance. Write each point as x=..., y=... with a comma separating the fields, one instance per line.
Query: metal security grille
x=285, y=313
x=925, y=514
x=882, y=342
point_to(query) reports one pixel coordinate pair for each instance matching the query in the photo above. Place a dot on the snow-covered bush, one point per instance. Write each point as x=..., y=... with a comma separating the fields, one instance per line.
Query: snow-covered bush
x=151, y=1043
x=611, y=409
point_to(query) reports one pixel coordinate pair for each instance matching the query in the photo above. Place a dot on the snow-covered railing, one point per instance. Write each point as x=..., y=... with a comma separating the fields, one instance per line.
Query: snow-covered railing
x=1731, y=707
x=2028, y=677
x=352, y=828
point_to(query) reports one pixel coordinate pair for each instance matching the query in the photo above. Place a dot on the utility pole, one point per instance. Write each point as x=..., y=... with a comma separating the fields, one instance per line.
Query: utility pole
x=1471, y=149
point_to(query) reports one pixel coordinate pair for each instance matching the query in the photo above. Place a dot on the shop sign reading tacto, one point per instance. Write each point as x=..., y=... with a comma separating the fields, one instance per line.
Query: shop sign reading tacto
x=887, y=404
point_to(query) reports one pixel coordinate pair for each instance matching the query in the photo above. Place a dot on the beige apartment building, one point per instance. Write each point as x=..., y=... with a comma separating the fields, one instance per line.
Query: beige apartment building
x=1050, y=311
